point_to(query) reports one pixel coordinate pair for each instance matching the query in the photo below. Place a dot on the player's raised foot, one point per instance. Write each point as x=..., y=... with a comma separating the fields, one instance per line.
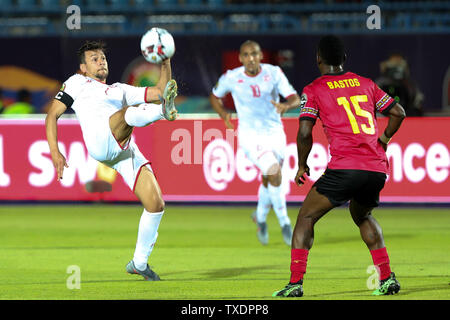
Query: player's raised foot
x=262, y=233
x=290, y=290
x=286, y=231
x=388, y=286
x=168, y=100
x=253, y=216
x=148, y=274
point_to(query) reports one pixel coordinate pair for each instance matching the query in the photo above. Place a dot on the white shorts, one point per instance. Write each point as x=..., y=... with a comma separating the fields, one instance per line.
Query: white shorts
x=127, y=160
x=264, y=150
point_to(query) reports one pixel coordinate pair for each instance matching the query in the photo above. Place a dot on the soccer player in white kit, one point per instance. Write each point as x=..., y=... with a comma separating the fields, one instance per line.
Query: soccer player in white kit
x=256, y=88
x=107, y=116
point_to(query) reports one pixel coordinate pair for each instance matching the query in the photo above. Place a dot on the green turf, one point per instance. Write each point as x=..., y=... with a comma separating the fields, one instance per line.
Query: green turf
x=211, y=253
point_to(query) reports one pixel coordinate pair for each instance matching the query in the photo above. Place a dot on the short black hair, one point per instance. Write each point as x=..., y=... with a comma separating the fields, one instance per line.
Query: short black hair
x=249, y=42
x=89, y=46
x=331, y=50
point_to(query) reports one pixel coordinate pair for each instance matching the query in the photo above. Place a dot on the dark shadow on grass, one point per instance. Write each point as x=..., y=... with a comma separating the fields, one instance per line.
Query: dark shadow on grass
x=219, y=274
x=324, y=239
x=63, y=283
x=430, y=287
x=234, y=272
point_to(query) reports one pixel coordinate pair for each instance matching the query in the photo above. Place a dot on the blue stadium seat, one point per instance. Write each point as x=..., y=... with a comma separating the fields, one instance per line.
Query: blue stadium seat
x=95, y=3
x=5, y=3
x=215, y=2
x=119, y=3
x=50, y=3
x=26, y=3
x=143, y=2
x=167, y=2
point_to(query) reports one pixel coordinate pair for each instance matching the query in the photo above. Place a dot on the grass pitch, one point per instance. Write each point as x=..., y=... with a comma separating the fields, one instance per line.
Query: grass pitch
x=211, y=253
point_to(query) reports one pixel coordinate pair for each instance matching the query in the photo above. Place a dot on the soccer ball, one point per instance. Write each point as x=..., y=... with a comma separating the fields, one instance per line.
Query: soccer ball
x=157, y=45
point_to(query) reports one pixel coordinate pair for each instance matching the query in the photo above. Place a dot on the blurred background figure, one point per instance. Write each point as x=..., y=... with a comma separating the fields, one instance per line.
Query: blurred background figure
x=1, y=101
x=22, y=105
x=396, y=81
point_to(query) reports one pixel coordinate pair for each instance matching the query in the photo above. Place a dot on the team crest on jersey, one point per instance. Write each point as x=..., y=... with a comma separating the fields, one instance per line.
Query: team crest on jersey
x=266, y=77
x=303, y=100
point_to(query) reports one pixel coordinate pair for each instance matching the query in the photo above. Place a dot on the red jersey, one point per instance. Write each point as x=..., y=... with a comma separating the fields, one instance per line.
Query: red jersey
x=346, y=104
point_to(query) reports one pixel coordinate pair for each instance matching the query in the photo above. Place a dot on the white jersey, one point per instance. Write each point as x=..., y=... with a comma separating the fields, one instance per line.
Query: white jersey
x=94, y=102
x=252, y=96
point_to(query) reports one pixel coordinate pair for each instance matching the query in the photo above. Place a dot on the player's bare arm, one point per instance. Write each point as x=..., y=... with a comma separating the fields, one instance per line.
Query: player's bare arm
x=304, y=145
x=59, y=161
x=396, y=115
x=218, y=106
x=291, y=103
x=153, y=94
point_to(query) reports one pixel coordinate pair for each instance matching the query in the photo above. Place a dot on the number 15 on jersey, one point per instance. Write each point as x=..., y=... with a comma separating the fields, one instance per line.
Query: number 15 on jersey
x=367, y=128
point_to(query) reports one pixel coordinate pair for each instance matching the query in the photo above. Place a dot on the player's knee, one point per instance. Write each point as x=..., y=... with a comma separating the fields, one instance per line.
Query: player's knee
x=274, y=175
x=155, y=204
x=265, y=181
x=159, y=205
x=308, y=217
x=359, y=214
x=359, y=220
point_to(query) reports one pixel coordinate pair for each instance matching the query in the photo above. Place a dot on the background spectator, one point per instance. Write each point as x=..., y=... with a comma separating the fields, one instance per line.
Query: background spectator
x=1, y=101
x=23, y=104
x=396, y=81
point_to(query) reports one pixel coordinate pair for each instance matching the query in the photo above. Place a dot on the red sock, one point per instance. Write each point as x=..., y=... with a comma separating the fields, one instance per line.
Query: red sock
x=380, y=259
x=299, y=258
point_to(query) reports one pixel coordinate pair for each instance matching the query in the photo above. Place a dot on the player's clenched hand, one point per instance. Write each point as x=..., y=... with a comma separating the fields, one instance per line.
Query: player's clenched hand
x=300, y=178
x=281, y=107
x=59, y=161
x=227, y=120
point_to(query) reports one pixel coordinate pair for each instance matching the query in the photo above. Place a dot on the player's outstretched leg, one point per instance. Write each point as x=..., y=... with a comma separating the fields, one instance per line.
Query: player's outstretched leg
x=143, y=114
x=123, y=121
x=149, y=193
x=168, y=100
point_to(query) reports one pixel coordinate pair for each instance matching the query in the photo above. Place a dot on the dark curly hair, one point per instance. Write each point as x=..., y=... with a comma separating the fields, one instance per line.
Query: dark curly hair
x=331, y=50
x=88, y=46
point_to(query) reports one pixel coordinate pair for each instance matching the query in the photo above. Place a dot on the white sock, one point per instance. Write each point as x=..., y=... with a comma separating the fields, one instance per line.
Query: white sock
x=264, y=204
x=279, y=203
x=143, y=115
x=147, y=234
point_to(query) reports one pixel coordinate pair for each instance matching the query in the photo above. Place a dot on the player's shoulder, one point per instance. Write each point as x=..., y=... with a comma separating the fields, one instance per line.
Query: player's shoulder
x=361, y=79
x=74, y=84
x=270, y=68
x=119, y=85
x=313, y=85
x=76, y=80
x=77, y=77
x=233, y=73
